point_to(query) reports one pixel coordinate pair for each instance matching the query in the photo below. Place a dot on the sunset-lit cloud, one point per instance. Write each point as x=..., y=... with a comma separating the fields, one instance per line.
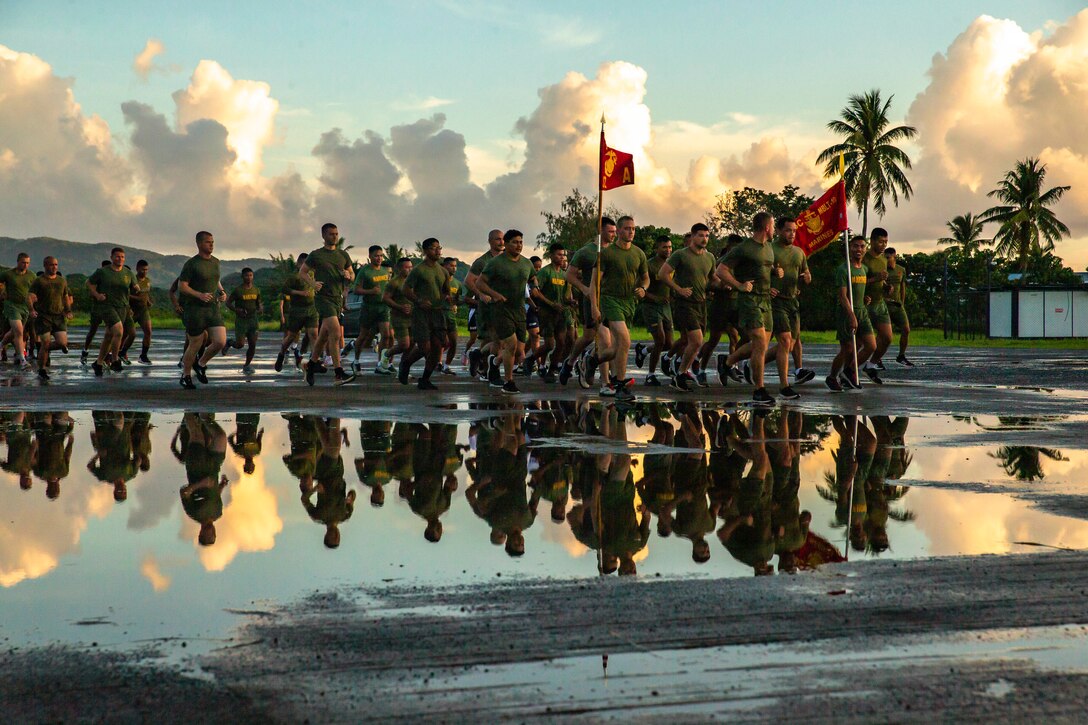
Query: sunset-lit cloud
x=145, y=60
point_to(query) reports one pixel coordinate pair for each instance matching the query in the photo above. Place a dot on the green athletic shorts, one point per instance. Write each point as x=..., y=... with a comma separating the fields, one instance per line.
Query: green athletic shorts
x=720, y=312
x=50, y=324
x=551, y=321
x=402, y=325
x=128, y=323
x=141, y=316
x=13, y=312
x=246, y=327
x=786, y=314
x=506, y=320
x=617, y=309
x=428, y=325
x=688, y=315
x=656, y=313
x=898, y=314
x=587, y=317
x=842, y=324
x=198, y=319
x=106, y=315
x=451, y=322
x=327, y=307
x=372, y=316
x=754, y=311
x=301, y=318
x=878, y=313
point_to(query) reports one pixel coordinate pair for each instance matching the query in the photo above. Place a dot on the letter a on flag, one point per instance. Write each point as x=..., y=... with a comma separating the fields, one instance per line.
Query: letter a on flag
x=818, y=225
x=617, y=168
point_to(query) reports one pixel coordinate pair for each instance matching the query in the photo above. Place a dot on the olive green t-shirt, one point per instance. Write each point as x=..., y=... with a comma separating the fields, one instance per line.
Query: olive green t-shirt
x=246, y=300
x=395, y=290
x=552, y=283
x=584, y=260
x=142, y=299
x=456, y=291
x=293, y=284
x=17, y=285
x=369, y=278
x=203, y=276
x=622, y=270
x=692, y=269
x=794, y=263
x=428, y=282
x=751, y=261
x=52, y=295
x=480, y=262
x=328, y=266
x=117, y=285
x=875, y=264
x=659, y=289
x=896, y=277
x=857, y=277
x=508, y=277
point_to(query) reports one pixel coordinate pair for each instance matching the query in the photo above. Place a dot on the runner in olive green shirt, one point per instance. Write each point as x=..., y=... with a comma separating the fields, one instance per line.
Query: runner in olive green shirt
x=686, y=273
x=624, y=276
x=656, y=311
x=427, y=286
x=852, y=321
x=553, y=300
x=199, y=286
x=370, y=282
x=486, y=354
x=785, y=308
x=580, y=276
x=140, y=309
x=400, y=317
x=895, y=298
x=747, y=268
x=16, y=283
x=331, y=267
x=876, y=267
x=246, y=304
x=110, y=289
x=449, y=309
x=297, y=313
x=49, y=297
x=503, y=280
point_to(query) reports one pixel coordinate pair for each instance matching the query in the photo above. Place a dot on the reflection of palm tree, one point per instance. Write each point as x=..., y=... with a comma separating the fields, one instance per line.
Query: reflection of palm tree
x=1024, y=463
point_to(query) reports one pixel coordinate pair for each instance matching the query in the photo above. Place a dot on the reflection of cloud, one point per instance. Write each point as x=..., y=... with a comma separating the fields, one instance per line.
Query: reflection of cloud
x=249, y=523
x=560, y=534
x=150, y=569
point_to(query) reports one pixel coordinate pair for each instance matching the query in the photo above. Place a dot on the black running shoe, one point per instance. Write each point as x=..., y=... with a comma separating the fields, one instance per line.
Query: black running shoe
x=848, y=383
x=879, y=365
x=494, y=375
x=510, y=388
x=902, y=360
x=700, y=379
x=762, y=397
x=579, y=370
x=788, y=393
x=143, y=360
x=871, y=372
x=117, y=366
x=310, y=368
x=125, y=360
x=565, y=371
x=83, y=357
x=652, y=381
x=403, y=372
x=666, y=366
x=43, y=373
x=592, y=363
x=298, y=358
x=623, y=392
x=474, y=356
x=98, y=369
x=746, y=371
x=319, y=367
x=802, y=376
x=343, y=377
x=201, y=372
x=734, y=373
x=723, y=369
x=681, y=382
x=279, y=362
x=426, y=385
x=832, y=384
x=187, y=382
x=640, y=355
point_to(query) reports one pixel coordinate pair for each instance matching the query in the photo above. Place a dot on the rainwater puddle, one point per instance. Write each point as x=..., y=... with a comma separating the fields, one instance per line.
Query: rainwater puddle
x=123, y=529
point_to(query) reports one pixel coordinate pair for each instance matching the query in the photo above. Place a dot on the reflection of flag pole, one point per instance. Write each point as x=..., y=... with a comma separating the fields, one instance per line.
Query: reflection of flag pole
x=850, y=493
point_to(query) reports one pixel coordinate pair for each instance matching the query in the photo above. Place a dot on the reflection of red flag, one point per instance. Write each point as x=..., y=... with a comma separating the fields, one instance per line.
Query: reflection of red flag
x=816, y=551
x=818, y=225
x=617, y=168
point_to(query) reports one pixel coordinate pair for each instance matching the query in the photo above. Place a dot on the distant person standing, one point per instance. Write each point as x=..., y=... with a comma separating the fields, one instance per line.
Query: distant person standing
x=199, y=285
x=332, y=268
x=111, y=288
x=246, y=304
x=51, y=309
x=895, y=297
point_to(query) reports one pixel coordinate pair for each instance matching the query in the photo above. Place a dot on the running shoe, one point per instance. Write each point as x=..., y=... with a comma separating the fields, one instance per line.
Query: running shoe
x=125, y=360
x=403, y=373
x=590, y=370
x=788, y=393
x=347, y=348
x=474, y=356
x=762, y=397
x=510, y=388
x=187, y=382
x=700, y=378
x=666, y=366
x=97, y=368
x=652, y=381
x=446, y=370
x=681, y=382
x=279, y=362
x=848, y=383
x=43, y=373
x=248, y=369
x=380, y=369
x=746, y=371
x=723, y=369
x=607, y=391
x=426, y=385
x=550, y=378
x=872, y=373
x=310, y=368
x=640, y=355
x=802, y=376
x=579, y=370
x=902, y=360
x=565, y=371
x=202, y=372
x=117, y=366
x=832, y=384
x=342, y=377
x=143, y=360
x=83, y=357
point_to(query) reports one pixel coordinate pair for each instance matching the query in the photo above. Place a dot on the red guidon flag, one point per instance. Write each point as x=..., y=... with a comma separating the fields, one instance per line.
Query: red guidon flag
x=818, y=225
x=617, y=168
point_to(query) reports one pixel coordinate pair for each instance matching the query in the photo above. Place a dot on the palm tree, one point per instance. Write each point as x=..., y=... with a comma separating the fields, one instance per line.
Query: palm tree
x=966, y=231
x=394, y=252
x=874, y=164
x=1026, y=224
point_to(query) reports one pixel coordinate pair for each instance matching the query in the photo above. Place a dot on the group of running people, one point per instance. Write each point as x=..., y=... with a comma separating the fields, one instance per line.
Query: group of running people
x=523, y=314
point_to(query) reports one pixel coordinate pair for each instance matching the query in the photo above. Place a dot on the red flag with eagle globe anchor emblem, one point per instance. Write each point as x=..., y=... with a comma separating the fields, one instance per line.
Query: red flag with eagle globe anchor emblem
x=818, y=225
x=617, y=168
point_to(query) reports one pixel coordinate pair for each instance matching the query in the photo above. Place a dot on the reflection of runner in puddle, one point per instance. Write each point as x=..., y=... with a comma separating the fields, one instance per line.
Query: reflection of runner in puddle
x=694, y=518
x=785, y=455
x=498, y=494
x=246, y=441
x=114, y=461
x=51, y=453
x=846, y=487
x=141, y=439
x=201, y=445
x=656, y=488
x=335, y=503
x=435, y=464
x=18, y=436
x=550, y=480
x=304, y=441
x=373, y=467
x=748, y=535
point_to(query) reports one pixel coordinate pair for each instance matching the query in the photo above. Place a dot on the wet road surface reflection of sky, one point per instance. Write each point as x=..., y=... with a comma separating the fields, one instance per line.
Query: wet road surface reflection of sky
x=124, y=527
